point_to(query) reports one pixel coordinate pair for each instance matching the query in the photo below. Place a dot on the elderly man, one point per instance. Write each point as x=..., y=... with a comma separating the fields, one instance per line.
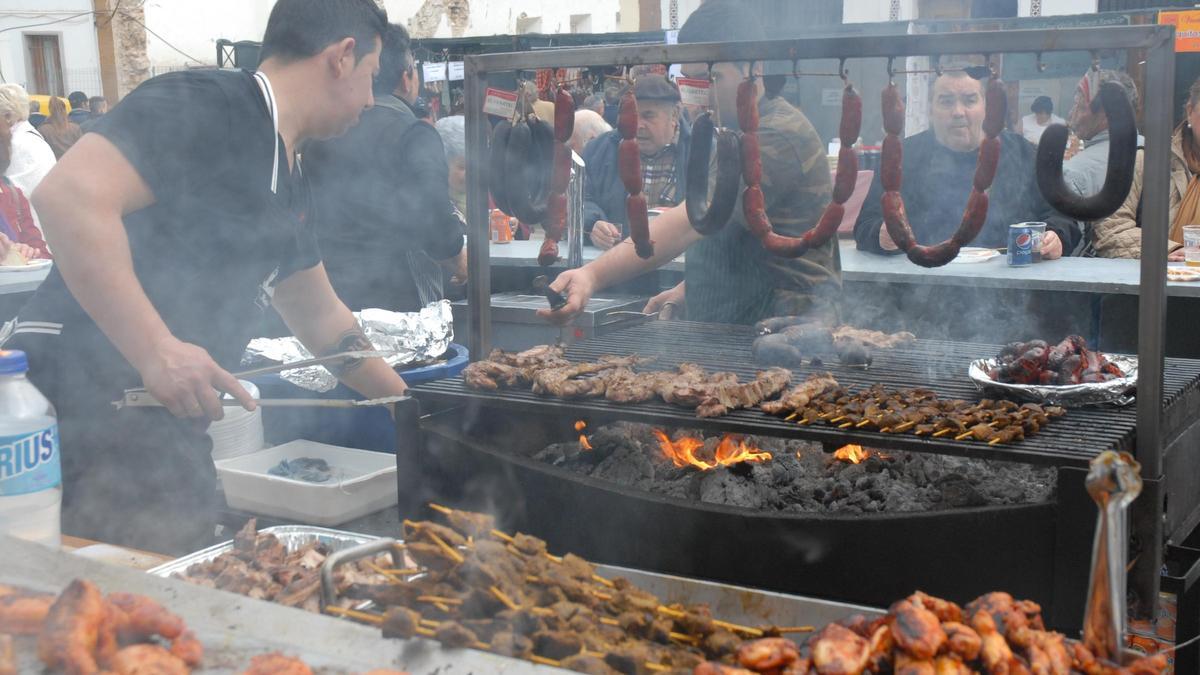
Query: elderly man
x=663, y=141
x=453, y=131
x=939, y=164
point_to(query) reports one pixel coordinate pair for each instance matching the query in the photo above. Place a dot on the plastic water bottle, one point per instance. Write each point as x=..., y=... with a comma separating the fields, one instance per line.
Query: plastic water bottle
x=30, y=469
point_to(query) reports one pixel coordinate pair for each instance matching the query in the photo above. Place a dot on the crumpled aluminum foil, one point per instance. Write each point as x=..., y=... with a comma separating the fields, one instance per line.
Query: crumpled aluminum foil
x=1118, y=392
x=407, y=338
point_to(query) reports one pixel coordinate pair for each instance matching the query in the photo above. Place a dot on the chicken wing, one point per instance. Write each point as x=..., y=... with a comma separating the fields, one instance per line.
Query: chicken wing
x=21, y=611
x=78, y=635
x=882, y=644
x=800, y=666
x=964, y=642
x=908, y=665
x=143, y=618
x=950, y=665
x=1054, y=645
x=917, y=630
x=768, y=653
x=837, y=650
x=147, y=659
x=944, y=610
x=277, y=664
x=996, y=655
x=188, y=648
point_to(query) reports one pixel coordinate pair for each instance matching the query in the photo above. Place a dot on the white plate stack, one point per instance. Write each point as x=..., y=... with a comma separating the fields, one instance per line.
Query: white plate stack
x=241, y=432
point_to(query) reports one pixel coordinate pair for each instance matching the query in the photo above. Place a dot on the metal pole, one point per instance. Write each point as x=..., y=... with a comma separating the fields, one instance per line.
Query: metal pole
x=1152, y=314
x=479, y=282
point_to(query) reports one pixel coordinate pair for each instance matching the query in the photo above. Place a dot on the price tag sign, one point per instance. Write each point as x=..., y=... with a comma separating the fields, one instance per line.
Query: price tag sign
x=500, y=103
x=693, y=91
x=456, y=71
x=434, y=72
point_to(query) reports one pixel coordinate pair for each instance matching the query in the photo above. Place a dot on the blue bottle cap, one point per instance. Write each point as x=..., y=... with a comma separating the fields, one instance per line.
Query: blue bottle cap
x=13, y=362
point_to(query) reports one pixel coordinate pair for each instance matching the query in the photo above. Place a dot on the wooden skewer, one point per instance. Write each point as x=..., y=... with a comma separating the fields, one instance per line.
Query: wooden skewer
x=601, y=580
x=795, y=629
x=845, y=425
x=447, y=548
x=500, y=595
x=441, y=509
x=791, y=417
x=502, y=536
x=943, y=432
x=963, y=436
x=439, y=599
x=545, y=661
x=837, y=419
x=864, y=423
x=658, y=667
x=903, y=427
x=996, y=441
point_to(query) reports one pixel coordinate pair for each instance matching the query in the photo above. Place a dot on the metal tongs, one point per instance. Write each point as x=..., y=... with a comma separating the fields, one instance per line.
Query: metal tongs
x=1114, y=481
x=140, y=398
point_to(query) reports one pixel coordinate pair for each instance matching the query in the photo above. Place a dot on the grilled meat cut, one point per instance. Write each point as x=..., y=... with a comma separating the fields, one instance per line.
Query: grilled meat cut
x=799, y=397
x=729, y=397
x=147, y=659
x=78, y=635
x=1068, y=362
x=22, y=612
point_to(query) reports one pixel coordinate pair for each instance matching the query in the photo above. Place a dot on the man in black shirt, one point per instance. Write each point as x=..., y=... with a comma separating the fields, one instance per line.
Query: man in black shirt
x=381, y=195
x=175, y=224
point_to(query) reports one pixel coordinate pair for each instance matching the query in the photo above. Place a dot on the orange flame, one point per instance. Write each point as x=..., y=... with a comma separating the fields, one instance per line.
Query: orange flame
x=731, y=450
x=854, y=454
x=580, y=425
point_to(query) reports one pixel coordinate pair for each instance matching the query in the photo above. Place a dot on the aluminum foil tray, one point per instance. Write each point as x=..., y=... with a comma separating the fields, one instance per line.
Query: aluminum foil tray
x=1117, y=392
x=292, y=537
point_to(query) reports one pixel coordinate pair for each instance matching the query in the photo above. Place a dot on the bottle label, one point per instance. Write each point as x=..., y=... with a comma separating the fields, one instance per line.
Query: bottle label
x=29, y=462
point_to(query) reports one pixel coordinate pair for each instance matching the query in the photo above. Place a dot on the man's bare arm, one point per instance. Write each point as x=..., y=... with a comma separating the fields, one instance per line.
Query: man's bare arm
x=315, y=314
x=81, y=203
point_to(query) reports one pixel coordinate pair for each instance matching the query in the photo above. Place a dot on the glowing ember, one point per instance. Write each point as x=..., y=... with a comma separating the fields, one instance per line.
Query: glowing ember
x=731, y=450
x=580, y=425
x=855, y=454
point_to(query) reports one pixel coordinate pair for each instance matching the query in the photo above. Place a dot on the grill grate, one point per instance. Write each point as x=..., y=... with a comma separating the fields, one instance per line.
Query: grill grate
x=940, y=366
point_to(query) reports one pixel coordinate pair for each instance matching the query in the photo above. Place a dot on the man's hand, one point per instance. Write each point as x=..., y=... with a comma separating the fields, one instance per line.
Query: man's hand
x=28, y=252
x=668, y=303
x=186, y=380
x=578, y=286
x=605, y=235
x=1052, y=247
x=885, y=240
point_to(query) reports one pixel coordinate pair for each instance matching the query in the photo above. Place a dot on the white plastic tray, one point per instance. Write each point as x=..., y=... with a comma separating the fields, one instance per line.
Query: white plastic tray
x=363, y=482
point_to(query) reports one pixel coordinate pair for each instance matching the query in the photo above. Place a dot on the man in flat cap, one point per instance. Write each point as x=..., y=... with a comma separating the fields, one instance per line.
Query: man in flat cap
x=662, y=138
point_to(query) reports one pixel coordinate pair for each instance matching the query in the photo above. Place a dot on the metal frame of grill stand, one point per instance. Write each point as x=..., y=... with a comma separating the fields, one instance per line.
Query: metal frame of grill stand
x=1158, y=41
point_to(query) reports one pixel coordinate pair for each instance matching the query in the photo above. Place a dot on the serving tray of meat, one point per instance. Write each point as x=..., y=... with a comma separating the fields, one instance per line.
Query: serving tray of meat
x=1066, y=374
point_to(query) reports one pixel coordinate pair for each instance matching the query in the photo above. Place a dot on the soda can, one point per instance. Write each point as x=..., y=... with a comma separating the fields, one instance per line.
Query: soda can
x=1020, y=245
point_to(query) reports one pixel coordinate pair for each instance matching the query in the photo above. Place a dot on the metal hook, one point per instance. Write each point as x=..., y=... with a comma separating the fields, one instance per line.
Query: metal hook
x=842, y=72
x=1041, y=67
x=937, y=65
x=891, y=71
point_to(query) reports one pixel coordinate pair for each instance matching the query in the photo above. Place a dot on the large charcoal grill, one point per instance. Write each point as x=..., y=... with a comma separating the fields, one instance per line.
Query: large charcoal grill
x=961, y=549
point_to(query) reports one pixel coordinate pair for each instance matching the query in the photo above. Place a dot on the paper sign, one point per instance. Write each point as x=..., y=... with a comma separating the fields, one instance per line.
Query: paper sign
x=1187, y=29
x=500, y=103
x=831, y=97
x=456, y=71
x=693, y=91
x=434, y=72
x=672, y=37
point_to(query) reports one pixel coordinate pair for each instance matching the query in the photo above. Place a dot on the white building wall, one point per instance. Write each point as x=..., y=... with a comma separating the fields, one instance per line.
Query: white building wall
x=194, y=26
x=1058, y=7
x=71, y=21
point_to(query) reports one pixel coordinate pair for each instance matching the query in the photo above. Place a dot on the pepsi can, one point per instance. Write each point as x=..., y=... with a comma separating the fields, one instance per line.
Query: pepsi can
x=1021, y=240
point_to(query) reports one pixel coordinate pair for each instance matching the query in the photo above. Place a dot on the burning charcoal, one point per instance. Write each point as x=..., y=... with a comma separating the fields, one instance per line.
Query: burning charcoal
x=556, y=644
x=400, y=622
x=454, y=634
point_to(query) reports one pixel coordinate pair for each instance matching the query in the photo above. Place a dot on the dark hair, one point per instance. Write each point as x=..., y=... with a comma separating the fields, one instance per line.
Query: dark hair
x=722, y=21
x=298, y=29
x=95, y=102
x=1042, y=104
x=394, y=60
x=77, y=99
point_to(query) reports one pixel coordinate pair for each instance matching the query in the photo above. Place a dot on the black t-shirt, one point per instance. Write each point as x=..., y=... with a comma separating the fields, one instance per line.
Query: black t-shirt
x=210, y=249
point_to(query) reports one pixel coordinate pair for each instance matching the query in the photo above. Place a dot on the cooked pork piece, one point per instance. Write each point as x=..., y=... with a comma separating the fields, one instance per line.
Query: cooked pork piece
x=734, y=396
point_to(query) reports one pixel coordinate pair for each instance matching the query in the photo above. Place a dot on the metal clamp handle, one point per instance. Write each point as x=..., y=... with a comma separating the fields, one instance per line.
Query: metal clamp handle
x=339, y=558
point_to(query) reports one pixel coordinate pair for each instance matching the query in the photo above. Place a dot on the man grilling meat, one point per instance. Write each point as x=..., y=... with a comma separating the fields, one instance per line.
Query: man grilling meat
x=175, y=223
x=730, y=277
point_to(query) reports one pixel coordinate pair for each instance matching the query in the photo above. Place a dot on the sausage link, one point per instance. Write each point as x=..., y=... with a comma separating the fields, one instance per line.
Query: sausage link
x=851, y=124
x=893, y=110
x=786, y=247
x=560, y=176
x=974, y=216
x=556, y=216
x=549, y=253
x=627, y=115
x=996, y=110
x=988, y=162
x=564, y=116
x=639, y=225
x=629, y=166
x=896, y=220
x=847, y=175
x=754, y=209
x=747, y=105
x=751, y=159
x=891, y=163
x=828, y=225
x=934, y=256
